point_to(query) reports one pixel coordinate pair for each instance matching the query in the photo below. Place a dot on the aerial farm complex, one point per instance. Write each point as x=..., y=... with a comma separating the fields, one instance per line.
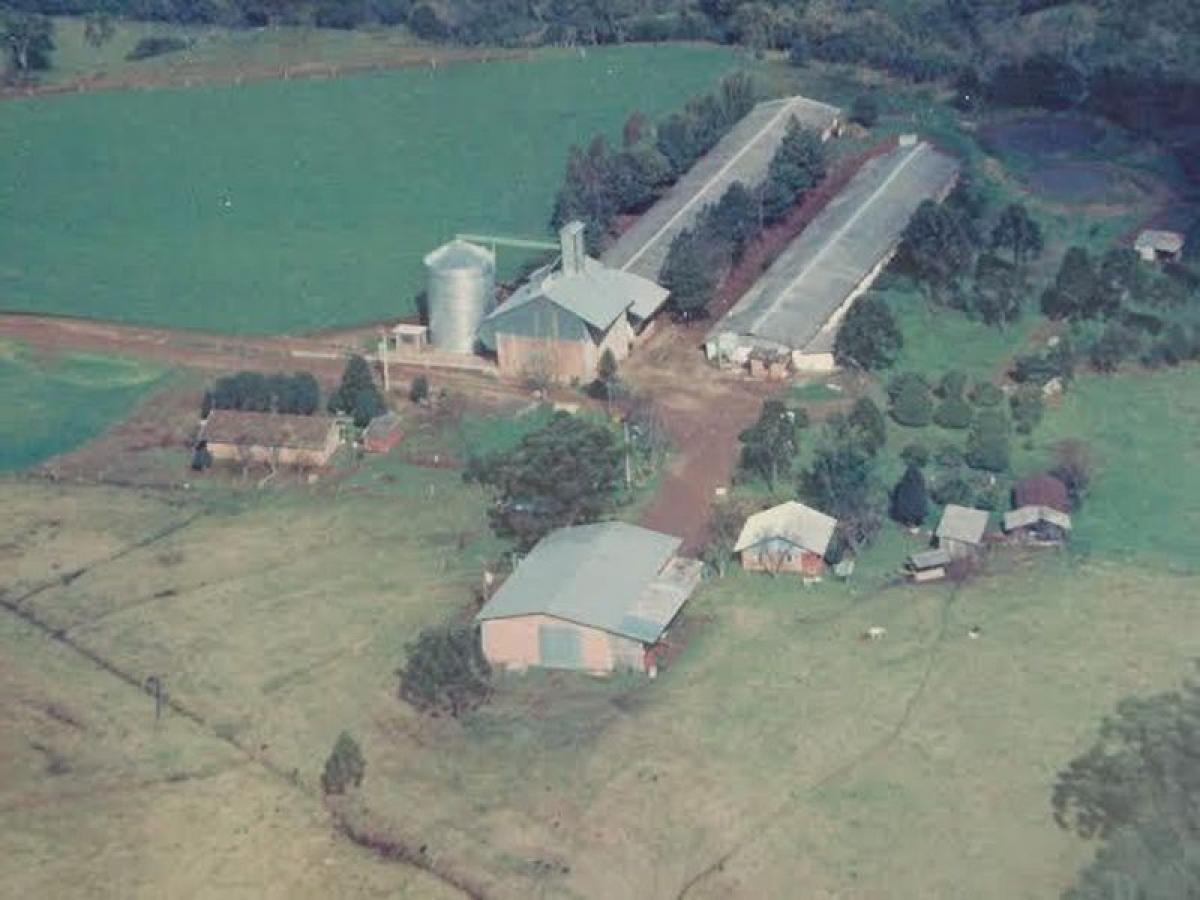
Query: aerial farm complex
x=567, y=314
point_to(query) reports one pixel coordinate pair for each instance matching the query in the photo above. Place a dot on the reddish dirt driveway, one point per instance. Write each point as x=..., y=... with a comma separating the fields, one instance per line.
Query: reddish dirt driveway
x=704, y=411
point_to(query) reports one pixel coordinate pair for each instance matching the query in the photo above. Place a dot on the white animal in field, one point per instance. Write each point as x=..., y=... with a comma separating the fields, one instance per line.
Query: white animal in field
x=874, y=633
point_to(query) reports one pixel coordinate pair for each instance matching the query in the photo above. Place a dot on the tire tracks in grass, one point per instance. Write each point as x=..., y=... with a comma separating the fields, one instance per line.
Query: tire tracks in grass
x=17, y=608
x=756, y=831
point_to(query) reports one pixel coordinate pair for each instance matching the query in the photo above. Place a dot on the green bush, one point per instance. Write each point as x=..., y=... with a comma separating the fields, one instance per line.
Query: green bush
x=446, y=672
x=418, y=391
x=953, y=412
x=157, y=45
x=986, y=394
x=988, y=441
x=915, y=454
x=1027, y=408
x=913, y=403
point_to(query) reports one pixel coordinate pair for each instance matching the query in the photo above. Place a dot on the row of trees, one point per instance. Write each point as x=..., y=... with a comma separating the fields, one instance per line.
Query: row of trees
x=700, y=256
x=601, y=183
x=299, y=394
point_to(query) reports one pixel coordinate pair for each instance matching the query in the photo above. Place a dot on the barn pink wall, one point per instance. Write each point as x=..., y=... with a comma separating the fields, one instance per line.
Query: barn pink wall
x=513, y=643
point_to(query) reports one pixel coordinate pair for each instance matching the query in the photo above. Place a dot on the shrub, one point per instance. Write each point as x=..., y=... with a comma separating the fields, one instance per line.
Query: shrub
x=345, y=766
x=446, y=672
x=1039, y=368
x=202, y=457
x=953, y=384
x=987, y=442
x=1027, y=407
x=418, y=391
x=986, y=394
x=913, y=404
x=1073, y=467
x=868, y=420
x=157, y=45
x=953, y=412
x=948, y=456
x=952, y=488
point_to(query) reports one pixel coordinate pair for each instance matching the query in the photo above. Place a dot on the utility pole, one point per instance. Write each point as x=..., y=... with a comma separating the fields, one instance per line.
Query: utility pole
x=154, y=685
x=628, y=469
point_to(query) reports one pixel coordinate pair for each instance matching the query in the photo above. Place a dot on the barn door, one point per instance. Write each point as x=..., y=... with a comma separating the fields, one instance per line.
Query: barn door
x=560, y=647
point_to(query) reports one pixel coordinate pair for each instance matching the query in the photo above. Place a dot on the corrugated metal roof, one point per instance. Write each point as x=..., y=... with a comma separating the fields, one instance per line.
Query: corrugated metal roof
x=1026, y=516
x=794, y=522
x=598, y=295
x=260, y=429
x=832, y=256
x=1164, y=241
x=742, y=155
x=460, y=254
x=609, y=576
x=962, y=523
x=929, y=559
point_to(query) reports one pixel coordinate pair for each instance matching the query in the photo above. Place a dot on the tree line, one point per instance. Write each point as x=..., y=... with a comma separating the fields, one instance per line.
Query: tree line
x=600, y=183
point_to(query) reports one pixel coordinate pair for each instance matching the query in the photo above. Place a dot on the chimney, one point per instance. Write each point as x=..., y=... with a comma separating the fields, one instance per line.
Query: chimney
x=570, y=239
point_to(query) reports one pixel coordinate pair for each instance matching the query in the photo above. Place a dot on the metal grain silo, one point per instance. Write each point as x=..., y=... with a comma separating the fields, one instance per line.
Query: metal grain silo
x=461, y=290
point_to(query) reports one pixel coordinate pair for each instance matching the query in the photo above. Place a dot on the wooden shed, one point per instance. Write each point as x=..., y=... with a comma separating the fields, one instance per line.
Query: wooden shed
x=560, y=323
x=1154, y=245
x=790, y=537
x=593, y=598
x=271, y=438
x=960, y=533
x=929, y=565
x=1037, y=525
x=382, y=433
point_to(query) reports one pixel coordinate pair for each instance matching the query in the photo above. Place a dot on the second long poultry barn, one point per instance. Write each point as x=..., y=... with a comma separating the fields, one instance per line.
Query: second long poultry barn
x=795, y=308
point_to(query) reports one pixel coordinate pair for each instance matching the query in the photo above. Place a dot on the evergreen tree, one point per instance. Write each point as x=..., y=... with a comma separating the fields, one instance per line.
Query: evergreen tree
x=771, y=443
x=868, y=338
x=997, y=294
x=691, y=273
x=1076, y=292
x=910, y=501
x=345, y=766
x=357, y=395
x=935, y=248
x=446, y=672
x=797, y=166
x=1019, y=233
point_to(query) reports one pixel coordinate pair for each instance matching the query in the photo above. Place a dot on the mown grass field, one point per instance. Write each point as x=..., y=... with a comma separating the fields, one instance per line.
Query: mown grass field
x=296, y=205
x=53, y=404
x=777, y=742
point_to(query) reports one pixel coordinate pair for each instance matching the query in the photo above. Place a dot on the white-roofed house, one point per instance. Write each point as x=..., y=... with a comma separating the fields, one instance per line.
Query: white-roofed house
x=1037, y=524
x=1155, y=245
x=960, y=533
x=560, y=322
x=790, y=537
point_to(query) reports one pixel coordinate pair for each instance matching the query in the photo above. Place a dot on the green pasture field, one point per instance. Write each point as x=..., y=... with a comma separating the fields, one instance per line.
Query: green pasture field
x=285, y=206
x=53, y=404
x=777, y=740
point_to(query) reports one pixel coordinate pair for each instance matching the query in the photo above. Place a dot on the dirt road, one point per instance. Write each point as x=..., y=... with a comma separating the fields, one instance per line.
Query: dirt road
x=704, y=411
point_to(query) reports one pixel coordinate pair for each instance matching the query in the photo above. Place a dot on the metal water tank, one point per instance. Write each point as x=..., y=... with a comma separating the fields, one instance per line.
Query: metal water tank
x=460, y=290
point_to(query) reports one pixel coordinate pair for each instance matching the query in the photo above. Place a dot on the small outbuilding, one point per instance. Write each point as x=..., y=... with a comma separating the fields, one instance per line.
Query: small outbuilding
x=1041, y=490
x=1037, y=524
x=960, y=533
x=929, y=565
x=790, y=537
x=382, y=433
x=593, y=598
x=1155, y=245
x=272, y=438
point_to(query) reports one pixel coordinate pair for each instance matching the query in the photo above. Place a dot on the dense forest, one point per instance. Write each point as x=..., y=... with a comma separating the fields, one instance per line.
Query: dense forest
x=1134, y=62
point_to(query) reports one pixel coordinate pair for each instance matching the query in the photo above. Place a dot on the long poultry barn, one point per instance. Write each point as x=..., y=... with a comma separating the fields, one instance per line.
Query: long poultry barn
x=742, y=155
x=795, y=308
